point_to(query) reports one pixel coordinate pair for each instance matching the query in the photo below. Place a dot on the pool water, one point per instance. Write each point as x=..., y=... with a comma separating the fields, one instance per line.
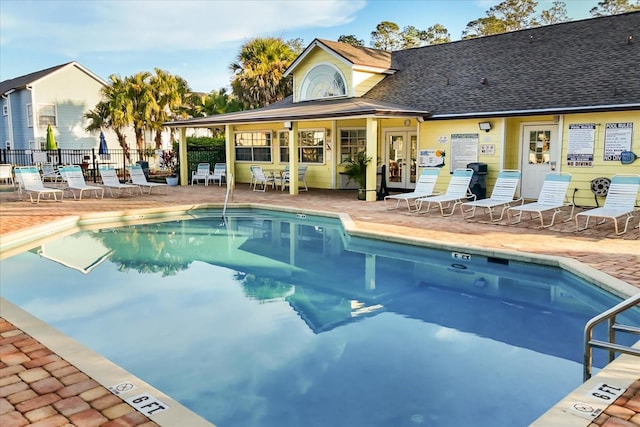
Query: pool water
x=284, y=320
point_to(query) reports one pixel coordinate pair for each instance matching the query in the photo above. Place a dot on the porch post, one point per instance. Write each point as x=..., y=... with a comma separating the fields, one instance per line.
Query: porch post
x=293, y=159
x=230, y=154
x=182, y=157
x=372, y=151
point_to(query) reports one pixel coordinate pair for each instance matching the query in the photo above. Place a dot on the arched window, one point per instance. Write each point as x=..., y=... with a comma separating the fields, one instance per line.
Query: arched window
x=323, y=81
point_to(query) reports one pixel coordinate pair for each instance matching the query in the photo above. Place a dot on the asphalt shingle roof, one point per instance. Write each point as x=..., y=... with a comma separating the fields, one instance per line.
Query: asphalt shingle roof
x=22, y=81
x=569, y=66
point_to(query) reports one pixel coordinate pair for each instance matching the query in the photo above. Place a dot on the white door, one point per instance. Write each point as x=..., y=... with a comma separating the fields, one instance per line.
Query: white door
x=401, y=150
x=539, y=157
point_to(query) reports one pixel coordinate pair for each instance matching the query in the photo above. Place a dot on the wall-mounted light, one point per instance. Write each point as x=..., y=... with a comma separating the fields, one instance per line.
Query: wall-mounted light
x=288, y=125
x=485, y=126
x=328, y=133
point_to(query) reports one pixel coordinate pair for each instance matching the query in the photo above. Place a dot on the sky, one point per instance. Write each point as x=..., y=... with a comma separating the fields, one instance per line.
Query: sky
x=198, y=39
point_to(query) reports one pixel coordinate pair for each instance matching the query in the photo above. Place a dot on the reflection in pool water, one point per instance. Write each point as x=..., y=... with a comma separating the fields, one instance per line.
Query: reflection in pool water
x=284, y=320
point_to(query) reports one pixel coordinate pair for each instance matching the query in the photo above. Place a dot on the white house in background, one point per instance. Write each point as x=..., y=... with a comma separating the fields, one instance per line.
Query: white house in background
x=59, y=95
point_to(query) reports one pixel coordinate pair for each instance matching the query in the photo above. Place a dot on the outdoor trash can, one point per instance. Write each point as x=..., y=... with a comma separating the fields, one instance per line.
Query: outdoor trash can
x=478, y=184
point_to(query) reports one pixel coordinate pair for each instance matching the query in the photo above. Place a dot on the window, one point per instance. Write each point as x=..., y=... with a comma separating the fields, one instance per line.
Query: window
x=46, y=115
x=352, y=141
x=253, y=146
x=29, y=116
x=5, y=110
x=310, y=146
x=323, y=81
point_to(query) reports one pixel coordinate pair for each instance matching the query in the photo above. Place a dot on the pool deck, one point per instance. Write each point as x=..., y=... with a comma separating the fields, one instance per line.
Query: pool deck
x=39, y=387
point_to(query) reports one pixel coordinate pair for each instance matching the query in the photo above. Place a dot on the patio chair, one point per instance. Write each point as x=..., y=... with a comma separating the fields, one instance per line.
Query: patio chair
x=50, y=173
x=111, y=181
x=424, y=188
x=219, y=173
x=30, y=182
x=136, y=173
x=302, y=177
x=457, y=192
x=202, y=173
x=503, y=194
x=6, y=174
x=260, y=179
x=620, y=202
x=553, y=197
x=74, y=177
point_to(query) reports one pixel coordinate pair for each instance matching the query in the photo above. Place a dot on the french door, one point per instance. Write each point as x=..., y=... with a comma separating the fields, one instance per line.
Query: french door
x=400, y=149
x=539, y=157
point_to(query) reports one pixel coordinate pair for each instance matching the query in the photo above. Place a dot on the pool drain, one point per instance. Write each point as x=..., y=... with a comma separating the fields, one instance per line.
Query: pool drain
x=417, y=418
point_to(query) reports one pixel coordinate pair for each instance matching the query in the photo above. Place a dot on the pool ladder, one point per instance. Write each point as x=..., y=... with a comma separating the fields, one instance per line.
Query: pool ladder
x=610, y=344
x=229, y=194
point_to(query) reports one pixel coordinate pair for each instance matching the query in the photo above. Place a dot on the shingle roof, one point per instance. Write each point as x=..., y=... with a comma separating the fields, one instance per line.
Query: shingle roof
x=565, y=67
x=363, y=56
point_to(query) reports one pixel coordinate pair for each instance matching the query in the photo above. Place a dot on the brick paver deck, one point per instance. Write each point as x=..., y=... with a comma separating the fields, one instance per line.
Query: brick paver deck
x=39, y=388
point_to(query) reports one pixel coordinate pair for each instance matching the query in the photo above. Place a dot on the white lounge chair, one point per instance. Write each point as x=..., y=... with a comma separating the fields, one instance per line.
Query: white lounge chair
x=202, y=173
x=50, y=173
x=302, y=177
x=424, y=188
x=111, y=181
x=260, y=180
x=503, y=194
x=74, y=178
x=6, y=173
x=30, y=182
x=219, y=173
x=136, y=173
x=620, y=202
x=553, y=197
x=457, y=193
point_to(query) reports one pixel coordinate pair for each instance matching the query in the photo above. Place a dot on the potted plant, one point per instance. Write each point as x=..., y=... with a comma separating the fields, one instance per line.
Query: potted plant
x=356, y=169
x=169, y=162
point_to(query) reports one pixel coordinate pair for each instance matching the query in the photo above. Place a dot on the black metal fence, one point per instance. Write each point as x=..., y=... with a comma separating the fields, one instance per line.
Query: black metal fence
x=90, y=159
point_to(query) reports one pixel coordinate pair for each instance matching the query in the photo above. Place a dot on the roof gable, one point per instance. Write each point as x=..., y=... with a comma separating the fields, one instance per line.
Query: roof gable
x=23, y=81
x=571, y=66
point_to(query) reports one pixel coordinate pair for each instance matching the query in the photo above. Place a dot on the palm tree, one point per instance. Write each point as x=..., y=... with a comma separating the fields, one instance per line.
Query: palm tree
x=168, y=92
x=141, y=104
x=258, y=72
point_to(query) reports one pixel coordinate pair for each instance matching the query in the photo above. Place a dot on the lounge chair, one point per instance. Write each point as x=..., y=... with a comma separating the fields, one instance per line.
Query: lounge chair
x=202, y=173
x=111, y=181
x=30, y=182
x=74, y=177
x=503, y=194
x=50, y=173
x=260, y=179
x=6, y=173
x=457, y=193
x=219, y=173
x=620, y=202
x=136, y=173
x=552, y=197
x=302, y=177
x=424, y=188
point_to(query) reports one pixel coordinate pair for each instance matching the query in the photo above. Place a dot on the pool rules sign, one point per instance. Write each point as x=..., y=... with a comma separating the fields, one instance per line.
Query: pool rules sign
x=617, y=138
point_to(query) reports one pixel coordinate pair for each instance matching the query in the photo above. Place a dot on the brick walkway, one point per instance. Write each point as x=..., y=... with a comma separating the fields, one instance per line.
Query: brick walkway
x=39, y=388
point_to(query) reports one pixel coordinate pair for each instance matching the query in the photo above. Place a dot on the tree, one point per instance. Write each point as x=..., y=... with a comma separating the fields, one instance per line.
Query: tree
x=510, y=15
x=614, y=7
x=168, y=91
x=352, y=40
x=556, y=14
x=258, y=72
x=142, y=104
x=437, y=34
x=387, y=36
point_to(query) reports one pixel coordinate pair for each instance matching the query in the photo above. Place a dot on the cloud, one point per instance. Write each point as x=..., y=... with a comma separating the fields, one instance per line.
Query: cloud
x=75, y=28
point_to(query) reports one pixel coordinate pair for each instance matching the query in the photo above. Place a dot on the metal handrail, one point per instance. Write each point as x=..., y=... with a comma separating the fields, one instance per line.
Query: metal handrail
x=610, y=345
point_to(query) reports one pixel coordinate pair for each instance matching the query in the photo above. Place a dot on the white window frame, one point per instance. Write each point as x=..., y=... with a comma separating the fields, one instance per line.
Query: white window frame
x=46, y=119
x=29, y=115
x=321, y=82
x=349, y=150
x=309, y=141
x=251, y=143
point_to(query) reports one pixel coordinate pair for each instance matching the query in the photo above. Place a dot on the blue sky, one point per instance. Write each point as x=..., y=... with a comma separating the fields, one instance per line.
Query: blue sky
x=198, y=39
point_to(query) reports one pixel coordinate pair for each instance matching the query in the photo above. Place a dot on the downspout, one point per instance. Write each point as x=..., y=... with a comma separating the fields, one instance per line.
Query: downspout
x=33, y=115
x=7, y=96
x=182, y=157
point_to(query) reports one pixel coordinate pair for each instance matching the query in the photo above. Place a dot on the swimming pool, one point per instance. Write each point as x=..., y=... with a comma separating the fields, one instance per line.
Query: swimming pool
x=286, y=320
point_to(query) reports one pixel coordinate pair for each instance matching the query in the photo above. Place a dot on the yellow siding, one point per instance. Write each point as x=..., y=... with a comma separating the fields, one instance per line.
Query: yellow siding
x=316, y=57
x=363, y=81
x=582, y=176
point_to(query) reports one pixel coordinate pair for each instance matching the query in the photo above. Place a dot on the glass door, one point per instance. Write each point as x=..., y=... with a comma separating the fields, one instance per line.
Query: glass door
x=401, y=149
x=539, y=157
